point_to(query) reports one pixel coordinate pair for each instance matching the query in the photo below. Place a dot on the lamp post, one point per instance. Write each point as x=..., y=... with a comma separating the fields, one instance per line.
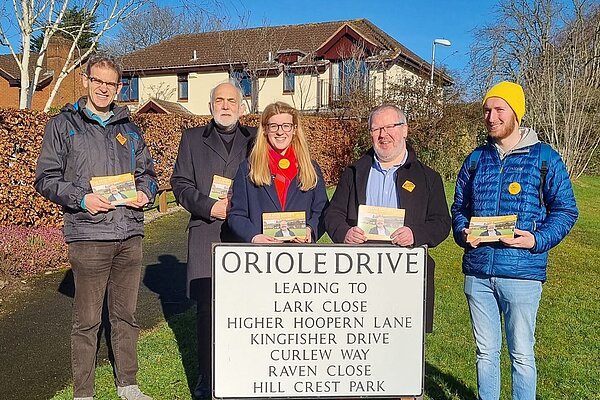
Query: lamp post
x=442, y=42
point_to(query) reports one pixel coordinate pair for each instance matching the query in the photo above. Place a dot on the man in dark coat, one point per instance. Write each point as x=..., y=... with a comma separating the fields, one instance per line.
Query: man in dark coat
x=205, y=152
x=390, y=175
x=379, y=228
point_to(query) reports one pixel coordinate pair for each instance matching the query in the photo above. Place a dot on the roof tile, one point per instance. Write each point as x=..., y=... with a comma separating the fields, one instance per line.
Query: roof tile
x=234, y=46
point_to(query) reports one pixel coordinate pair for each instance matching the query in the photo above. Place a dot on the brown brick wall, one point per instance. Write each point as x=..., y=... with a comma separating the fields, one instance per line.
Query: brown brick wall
x=10, y=96
x=70, y=90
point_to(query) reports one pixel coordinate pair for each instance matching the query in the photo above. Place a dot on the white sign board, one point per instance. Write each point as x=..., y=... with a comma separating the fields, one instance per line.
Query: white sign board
x=318, y=320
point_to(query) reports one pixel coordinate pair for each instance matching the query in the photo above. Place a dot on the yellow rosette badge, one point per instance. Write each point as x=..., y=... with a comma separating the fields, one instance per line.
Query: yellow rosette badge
x=514, y=188
x=284, y=163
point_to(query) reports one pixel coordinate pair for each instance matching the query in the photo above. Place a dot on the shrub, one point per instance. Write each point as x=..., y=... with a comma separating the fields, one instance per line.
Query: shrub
x=28, y=251
x=21, y=133
x=443, y=143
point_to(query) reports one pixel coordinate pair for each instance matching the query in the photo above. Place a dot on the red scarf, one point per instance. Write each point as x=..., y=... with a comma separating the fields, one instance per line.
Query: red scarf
x=283, y=176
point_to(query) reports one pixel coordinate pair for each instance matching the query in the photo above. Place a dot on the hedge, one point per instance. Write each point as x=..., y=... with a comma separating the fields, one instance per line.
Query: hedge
x=21, y=133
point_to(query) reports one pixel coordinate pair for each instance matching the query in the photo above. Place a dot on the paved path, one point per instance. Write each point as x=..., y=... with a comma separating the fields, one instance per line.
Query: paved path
x=34, y=338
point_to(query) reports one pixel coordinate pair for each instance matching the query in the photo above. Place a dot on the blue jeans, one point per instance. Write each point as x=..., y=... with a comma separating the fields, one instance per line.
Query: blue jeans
x=517, y=300
x=102, y=269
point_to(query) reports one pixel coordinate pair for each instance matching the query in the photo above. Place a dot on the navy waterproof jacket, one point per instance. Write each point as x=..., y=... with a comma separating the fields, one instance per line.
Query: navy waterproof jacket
x=77, y=148
x=485, y=192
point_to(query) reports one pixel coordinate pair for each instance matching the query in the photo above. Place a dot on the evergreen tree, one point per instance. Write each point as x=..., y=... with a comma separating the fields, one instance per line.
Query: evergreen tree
x=69, y=26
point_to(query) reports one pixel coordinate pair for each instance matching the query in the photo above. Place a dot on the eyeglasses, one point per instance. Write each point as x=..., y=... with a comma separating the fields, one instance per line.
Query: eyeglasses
x=386, y=128
x=287, y=127
x=100, y=82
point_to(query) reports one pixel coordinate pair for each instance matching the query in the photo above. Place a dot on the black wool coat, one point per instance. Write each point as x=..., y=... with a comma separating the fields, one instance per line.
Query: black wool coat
x=202, y=155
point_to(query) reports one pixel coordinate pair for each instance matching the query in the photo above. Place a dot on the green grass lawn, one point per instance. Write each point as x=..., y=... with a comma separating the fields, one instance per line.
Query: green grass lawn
x=568, y=344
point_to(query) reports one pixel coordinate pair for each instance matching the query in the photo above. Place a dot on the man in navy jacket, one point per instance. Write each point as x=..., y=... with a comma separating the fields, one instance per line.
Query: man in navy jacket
x=504, y=279
x=93, y=138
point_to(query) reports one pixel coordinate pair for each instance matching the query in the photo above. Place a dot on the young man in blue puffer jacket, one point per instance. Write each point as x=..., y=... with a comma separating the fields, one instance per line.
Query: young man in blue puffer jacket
x=513, y=173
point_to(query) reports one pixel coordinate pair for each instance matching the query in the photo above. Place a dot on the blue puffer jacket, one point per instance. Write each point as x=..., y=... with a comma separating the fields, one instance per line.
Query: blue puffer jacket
x=484, y=192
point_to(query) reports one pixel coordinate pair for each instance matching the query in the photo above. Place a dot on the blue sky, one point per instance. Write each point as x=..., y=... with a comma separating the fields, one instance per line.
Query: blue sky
x=414, y=23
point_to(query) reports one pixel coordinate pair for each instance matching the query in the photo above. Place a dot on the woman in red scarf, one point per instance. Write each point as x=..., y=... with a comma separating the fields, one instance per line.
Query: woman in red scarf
x=279, y=175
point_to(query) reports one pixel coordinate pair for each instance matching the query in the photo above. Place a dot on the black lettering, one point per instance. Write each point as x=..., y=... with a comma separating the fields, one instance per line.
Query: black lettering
x=319, y=263
x=338, y=266
x=237, y=259
x=394, y=265
x=363, y=263
x=290, y=265
x=410, y=262
x=251, y=260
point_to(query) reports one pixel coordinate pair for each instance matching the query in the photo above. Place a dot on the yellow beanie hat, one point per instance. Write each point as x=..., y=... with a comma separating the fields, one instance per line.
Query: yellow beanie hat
x=512, y=93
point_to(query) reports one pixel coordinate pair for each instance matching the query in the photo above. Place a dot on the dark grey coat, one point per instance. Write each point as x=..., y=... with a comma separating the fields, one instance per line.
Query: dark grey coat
x=77, y=148
x=202, y=154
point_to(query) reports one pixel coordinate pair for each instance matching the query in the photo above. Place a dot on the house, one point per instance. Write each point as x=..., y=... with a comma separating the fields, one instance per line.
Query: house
x=315, y=67
x=57, y=52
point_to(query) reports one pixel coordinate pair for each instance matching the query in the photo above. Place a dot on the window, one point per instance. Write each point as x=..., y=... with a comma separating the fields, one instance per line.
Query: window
x=353, y=76
x=130, y=90
x=182, y=86
x=244, y=80
x=289, y=81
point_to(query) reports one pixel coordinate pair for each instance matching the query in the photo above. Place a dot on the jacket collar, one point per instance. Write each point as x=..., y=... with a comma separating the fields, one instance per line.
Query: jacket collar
x=367, y=159
x=120, y=112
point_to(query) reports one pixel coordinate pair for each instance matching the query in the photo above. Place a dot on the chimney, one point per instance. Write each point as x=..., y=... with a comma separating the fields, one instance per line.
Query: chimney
x=194, y=56
x=58, y=47
x=57, y=53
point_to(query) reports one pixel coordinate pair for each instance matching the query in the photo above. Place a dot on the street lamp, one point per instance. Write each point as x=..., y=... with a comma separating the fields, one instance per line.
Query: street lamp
x=443, y=42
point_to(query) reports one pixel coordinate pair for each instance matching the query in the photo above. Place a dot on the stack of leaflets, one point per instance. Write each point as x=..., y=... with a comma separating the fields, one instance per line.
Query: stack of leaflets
x=379, y=223
x=285, y=225
x=220, y=187
x=491, y=229
x=118, y=189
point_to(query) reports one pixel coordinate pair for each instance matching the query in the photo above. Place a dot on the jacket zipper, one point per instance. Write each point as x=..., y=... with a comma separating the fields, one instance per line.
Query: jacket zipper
x=498, y=193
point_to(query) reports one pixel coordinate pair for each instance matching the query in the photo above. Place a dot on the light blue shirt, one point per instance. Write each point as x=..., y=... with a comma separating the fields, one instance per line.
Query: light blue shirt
x=381, y=186
x=102, y=120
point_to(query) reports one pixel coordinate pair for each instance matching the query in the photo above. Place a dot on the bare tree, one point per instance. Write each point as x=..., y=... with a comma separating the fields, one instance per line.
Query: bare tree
x=564, y=90
x=45, y=18
x=416, y=98
x=157, y=23
x=353, y=91
x=310, y=91
x=553, y=50
x=162, y=91
x=251, y=55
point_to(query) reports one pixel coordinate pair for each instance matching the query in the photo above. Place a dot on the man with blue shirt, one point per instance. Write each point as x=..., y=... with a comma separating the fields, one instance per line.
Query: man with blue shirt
x=512, y=174
x=390, y=175
x=94, y=138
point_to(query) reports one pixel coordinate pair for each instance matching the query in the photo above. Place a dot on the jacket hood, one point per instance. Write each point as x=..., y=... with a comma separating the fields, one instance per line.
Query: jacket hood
x=529, y=137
